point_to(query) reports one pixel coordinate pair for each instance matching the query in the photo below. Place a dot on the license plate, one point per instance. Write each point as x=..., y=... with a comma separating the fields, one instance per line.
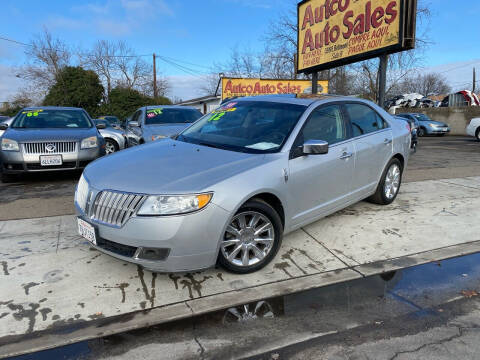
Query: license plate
x=87, y=231
x=49, y=160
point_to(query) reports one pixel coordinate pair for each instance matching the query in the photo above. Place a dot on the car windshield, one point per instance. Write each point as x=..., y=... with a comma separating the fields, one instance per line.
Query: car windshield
x=53, y=119
x=171, y=116
x=113, y=120
x=422, y=117
x=102, y=121
x=246, y=126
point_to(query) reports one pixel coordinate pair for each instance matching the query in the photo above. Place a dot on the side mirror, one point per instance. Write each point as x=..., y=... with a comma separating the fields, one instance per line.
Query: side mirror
x=315, y=147
x=101, y=126
x=3, y=126
x=133, y=124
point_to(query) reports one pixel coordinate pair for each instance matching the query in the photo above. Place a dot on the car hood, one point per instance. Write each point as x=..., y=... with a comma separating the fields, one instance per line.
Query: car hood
x=23, y=135
x=164, y=129
x=432, y=122
x=168, y=167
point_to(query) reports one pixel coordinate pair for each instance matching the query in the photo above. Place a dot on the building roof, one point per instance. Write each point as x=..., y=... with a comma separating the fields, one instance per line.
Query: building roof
x=200, y=99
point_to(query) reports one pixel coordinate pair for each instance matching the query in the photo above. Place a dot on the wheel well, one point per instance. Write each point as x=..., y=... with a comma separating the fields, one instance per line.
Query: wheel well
x=477, y=131
x=401, y=159
x=274, y=202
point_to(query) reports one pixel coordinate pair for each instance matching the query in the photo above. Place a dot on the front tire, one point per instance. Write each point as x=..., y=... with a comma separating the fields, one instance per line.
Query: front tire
x=252, y=238
x=389, y=185
x=111, y=146
x=477, y=134
x=421, y=132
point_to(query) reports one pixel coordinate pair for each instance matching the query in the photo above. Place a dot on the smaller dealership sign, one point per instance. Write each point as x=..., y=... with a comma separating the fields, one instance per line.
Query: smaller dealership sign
x=234, y=87
x=338, y=32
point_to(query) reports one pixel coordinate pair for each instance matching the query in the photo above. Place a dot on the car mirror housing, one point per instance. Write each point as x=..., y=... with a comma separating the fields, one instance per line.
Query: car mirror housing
x=315, y=147
x=3, y=126
x=101, y=126
x=133, y=124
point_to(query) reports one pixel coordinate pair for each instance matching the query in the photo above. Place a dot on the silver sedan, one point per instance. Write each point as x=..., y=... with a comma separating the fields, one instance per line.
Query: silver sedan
x=231, y=185
x=115, y=138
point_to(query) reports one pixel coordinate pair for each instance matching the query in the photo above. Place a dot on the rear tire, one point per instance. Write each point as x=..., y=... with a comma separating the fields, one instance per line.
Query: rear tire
x=421, y=132
x=389, y=185
x=477, y=134
x=238, y=240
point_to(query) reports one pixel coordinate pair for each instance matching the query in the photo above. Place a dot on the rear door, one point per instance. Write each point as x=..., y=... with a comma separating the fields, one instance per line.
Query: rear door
x=373, y=140
x=319, y=183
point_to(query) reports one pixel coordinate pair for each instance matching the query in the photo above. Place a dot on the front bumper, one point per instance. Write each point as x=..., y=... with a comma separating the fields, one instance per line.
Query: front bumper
x=189, y=242
x=17, y=162
x=438, y=130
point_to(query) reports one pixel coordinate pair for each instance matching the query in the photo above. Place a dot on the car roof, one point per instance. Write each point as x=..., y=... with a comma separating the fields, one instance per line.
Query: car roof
x=51, y=108
x=299, y=99
x=170, y=107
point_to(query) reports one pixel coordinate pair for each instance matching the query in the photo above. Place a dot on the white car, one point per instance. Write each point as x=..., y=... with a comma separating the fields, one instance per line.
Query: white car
x=473, y=129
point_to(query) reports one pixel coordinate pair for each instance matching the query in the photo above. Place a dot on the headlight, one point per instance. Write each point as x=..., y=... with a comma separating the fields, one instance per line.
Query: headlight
x=172, y=205
x=89, y=143
x=158, y=137
x=433, y=125
x=9, y=145
x=81, y=193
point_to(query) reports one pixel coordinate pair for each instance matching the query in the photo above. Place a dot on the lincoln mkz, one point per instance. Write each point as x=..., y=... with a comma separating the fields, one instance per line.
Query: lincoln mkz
x=229, y=186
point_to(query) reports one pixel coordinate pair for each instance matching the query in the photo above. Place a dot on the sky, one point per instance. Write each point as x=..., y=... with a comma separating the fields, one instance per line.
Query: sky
x=205, y=32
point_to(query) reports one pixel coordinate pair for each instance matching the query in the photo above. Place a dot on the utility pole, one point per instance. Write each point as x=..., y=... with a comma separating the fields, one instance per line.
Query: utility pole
x=154, y=76
x=474, y=80
x=382, y=80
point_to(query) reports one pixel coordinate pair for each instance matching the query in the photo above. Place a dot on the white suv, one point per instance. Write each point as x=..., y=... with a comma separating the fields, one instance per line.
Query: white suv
x=473, y=128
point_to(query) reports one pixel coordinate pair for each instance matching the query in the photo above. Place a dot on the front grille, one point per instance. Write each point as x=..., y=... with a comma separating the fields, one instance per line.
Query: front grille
x=65, y=165
x=50, y=147
x=115, y=208
x=116, y=248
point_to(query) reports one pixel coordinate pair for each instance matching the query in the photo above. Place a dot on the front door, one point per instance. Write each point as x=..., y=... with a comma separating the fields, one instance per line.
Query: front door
x=320, y=183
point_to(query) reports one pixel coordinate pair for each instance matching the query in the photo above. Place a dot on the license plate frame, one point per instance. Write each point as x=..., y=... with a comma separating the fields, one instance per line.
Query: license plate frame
x=87, y=231
x=51, y=160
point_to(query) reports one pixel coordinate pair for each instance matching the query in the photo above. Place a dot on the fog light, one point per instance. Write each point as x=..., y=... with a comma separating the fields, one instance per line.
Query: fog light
x=151, y=253
x=10, y=167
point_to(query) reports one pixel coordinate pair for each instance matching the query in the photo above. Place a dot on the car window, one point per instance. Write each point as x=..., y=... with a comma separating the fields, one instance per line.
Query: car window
x=246, y=126
x=104, y=122
x=136, y=116
x=325, y=123
x=364, y=119
x=171, y=116
x=52, y=119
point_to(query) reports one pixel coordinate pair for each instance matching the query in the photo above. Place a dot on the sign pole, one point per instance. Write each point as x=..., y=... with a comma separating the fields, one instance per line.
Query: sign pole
x=382, y=80
x=154, y=76
x=315, y=82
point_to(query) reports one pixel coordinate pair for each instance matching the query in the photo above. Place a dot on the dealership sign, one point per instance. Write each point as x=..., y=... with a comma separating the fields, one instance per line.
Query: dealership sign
x=234, y=87
x=338, y=32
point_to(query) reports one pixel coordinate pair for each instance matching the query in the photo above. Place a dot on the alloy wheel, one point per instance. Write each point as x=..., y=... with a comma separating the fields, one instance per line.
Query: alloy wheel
x=109, y=147
x=392, y=181
x=248, y=239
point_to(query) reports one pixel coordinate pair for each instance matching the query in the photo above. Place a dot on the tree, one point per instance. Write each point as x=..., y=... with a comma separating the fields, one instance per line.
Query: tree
x=48, y=56
x=76, y=87
x=425, y=84
x=124, y=101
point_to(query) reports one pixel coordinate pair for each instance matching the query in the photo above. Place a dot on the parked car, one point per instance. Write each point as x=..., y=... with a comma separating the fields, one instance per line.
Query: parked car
x=115, y=139
x=49, y=138
x=7, y=121
x=151, y=123
x=413, y=131
x=427, y=126
x=473, y=129
x=3, y=118
x=113, y=120
x=230, y=186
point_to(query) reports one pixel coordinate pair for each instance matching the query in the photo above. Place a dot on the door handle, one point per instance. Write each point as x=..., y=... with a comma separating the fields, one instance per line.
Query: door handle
x=387, y=141
x=346, y=155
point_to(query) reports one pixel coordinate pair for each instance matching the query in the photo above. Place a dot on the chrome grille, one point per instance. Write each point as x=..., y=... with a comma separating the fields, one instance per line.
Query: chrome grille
x=115, y=208
x=47, y=146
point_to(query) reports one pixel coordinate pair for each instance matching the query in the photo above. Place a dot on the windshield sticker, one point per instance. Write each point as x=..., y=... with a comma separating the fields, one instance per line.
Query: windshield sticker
x=32, y=112
x=262, y=146
x=154, y=112
x=219, y=113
